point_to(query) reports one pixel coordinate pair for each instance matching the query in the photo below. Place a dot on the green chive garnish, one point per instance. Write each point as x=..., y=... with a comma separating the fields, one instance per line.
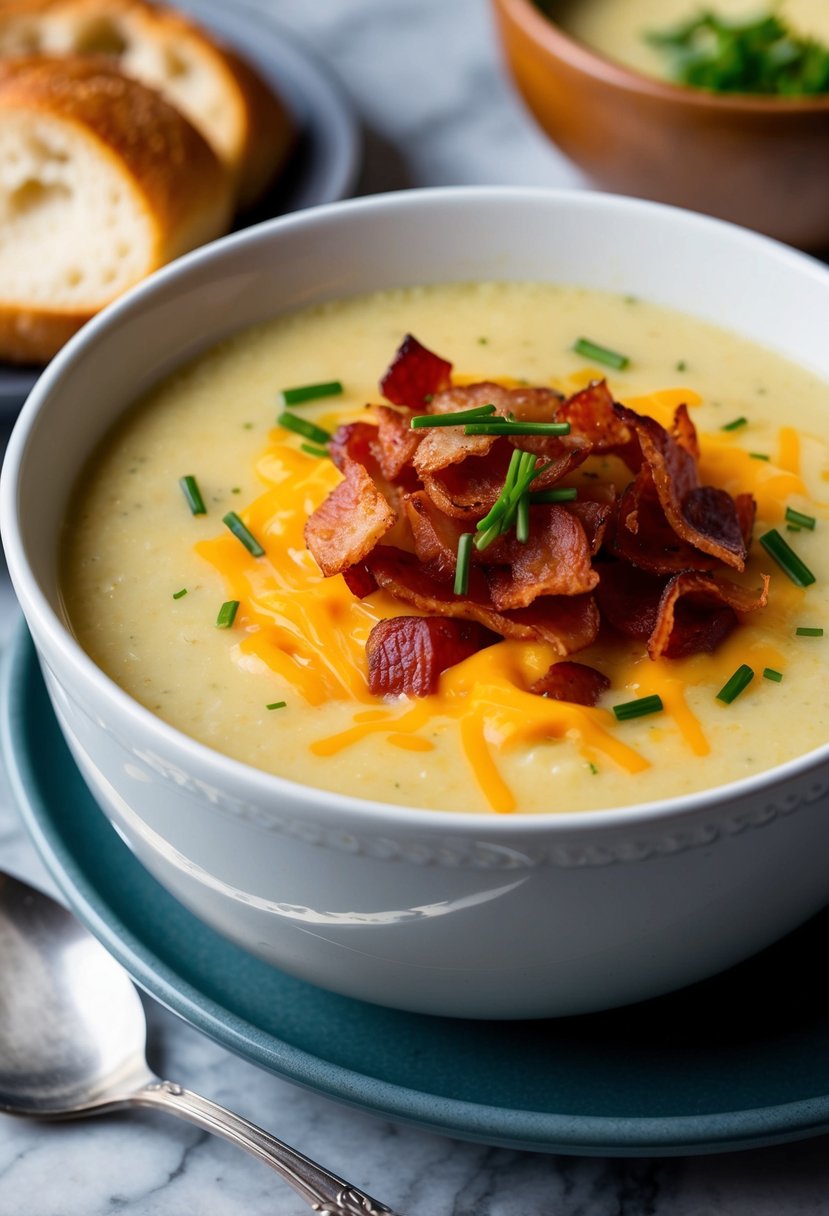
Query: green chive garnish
x=682, y=366
x=312, y=450
x=301, y=426
x=770, y=674
x=638, y=708
x=243, y=533
x=521, y=472
x=276, y=705
x=309, y=392
x=786, y=558
x=600, y=354
x=190, y=490
x=227, y=614
x=522, y=519
x=462, y=564
x=735, y=425
x=806, y=631
x=178, y=594
x=556, y=494
x=759, y=456
x=505, y=426
x=456, y=418
x=800, y=520
x=738, y=683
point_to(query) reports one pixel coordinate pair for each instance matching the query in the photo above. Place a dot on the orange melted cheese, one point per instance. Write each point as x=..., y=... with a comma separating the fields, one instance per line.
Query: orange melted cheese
x=311, y=631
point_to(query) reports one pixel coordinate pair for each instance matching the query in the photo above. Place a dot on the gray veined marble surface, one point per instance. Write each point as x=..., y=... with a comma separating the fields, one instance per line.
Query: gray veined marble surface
x=426, y=83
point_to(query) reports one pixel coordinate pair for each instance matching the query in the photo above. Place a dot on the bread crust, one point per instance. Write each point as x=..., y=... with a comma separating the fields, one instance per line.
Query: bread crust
x=263, y=129
x=168, y=167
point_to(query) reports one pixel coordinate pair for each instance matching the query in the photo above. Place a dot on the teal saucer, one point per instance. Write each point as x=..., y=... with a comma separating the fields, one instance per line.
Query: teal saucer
x=737, y=1062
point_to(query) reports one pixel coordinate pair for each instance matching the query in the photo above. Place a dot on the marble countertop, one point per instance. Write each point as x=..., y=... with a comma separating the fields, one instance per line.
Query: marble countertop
x=435, y=108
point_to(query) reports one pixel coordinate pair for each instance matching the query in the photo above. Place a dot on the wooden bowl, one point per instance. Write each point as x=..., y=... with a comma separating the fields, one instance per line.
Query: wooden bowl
x=760, y=162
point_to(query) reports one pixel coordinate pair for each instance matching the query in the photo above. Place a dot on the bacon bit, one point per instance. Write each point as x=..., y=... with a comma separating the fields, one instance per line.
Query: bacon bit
x=569, y=623
x=394, y=444
x=406, y=654
x=348, y=524
x=696, y=612
x=436, y=535
x=414, y=375
x=359, y=580
x=595, y=518
x=593, y=420
x=569, y=681
x=645, y=538
x=686, y=504
x=686, y=614
x=555, y=560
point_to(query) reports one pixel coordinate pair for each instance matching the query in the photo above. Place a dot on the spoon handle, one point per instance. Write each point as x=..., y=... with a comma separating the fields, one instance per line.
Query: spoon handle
x=323, y=1191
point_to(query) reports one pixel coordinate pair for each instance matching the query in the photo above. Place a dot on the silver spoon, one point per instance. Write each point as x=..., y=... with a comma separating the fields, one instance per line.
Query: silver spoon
x=72, y=1043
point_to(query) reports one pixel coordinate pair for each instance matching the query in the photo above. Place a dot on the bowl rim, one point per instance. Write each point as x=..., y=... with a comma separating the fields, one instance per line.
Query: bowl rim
x=547, y=33
x=212, y=765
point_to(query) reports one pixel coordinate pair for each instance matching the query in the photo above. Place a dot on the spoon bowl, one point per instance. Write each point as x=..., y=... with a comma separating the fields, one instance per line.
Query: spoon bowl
x=73, y=1039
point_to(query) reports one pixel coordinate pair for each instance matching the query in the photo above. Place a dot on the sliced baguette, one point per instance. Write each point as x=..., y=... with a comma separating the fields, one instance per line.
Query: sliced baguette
x=246, y=123
x=101, y=182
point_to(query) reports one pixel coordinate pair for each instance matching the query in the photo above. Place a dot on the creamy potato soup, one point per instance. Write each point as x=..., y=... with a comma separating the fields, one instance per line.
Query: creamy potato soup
x=283, y=685
x=618, y=28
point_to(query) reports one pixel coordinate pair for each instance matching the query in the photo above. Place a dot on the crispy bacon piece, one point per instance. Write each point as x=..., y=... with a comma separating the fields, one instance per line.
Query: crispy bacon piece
x=569, y=623
x=686, y=614
x=554, y=560
x=693, y=607
x=348, y=524
x=574, y=682
x=406, y=654
x=393, y=444
x=700, y=515
x=415, y=375
x=645, y=538
x=593, y=420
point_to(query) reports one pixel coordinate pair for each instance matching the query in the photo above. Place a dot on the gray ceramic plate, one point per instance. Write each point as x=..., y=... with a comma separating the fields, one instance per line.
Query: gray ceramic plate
x=324, y=166
x=737, y=1062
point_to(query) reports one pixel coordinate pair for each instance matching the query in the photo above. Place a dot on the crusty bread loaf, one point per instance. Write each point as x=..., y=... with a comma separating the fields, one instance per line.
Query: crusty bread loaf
x=247, y=125
x=101, y=182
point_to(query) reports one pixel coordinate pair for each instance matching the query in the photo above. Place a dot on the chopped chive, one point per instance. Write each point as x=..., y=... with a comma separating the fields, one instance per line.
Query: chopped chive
x=309, y=392
x=243, y=534
x=456, y=418
x=594, y=770
x=301, y=426
x=681, y=366
x=735, y=425
x=638, y=708
x=806, y=631
x=800, y=520
x=522, y=519
x=227, y=614
x=770, y=674
x=462, y=565
x=601, y=354
x=505, y=426
x=190, y=490
x=555, y=494
x=786, y=558
x=178, y=594
x=312, y=450
x=276, y=705
x=500, y=518
x=759, y=456
x=738, y=683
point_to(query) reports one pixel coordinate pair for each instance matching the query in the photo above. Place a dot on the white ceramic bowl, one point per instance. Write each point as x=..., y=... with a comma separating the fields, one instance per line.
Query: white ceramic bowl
x=451, y=914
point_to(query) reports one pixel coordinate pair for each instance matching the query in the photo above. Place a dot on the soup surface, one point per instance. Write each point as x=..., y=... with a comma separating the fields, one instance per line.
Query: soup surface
x=618, y=28
x=284, y=686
